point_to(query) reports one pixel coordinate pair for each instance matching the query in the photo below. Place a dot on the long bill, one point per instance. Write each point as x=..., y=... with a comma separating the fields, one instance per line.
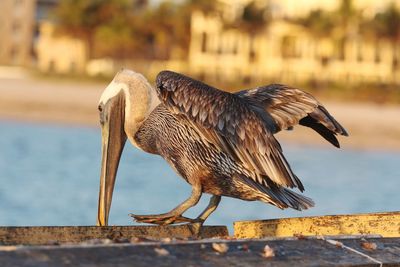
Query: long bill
x=113, y=141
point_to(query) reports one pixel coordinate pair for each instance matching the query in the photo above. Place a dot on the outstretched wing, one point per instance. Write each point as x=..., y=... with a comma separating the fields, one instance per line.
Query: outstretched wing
x=226, y=120
x=290, y=106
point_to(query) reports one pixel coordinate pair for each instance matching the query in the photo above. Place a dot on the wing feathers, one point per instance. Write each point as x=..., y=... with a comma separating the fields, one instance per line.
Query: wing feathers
x=280, y=196
x=230, y=124
x=290, y=106
x=321, y=129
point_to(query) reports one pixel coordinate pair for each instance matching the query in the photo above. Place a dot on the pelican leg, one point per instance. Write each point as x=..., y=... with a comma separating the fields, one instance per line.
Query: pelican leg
x=199, y=221
x=175, y=215
x=211, y=207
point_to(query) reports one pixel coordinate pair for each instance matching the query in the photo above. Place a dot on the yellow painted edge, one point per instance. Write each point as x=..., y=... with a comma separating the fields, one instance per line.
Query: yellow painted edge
x=386, y=224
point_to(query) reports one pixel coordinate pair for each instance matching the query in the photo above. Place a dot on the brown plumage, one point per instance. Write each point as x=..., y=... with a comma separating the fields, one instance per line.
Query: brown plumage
x=230, y=124
x=223, y=143
x=241, y=126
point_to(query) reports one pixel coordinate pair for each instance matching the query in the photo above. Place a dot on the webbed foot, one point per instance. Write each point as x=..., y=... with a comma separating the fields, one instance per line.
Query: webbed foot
x=162, y=219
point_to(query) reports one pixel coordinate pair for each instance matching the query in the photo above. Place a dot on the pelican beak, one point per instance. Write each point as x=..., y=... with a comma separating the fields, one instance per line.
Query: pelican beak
x=112, y=117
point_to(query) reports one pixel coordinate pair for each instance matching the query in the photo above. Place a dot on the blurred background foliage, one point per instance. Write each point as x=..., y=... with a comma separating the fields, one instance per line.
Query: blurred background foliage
x=143, y=30
x=348, y=49
x=136, y=28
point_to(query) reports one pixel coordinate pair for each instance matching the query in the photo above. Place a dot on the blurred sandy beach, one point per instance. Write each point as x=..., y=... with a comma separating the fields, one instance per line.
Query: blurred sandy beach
x=371, y=126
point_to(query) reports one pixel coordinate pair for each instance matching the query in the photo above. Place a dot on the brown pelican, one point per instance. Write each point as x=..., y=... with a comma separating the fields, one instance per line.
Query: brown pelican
x=220, y=143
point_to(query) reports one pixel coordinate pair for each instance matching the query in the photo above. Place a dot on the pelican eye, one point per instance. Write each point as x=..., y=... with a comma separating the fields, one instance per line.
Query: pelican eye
x=100, y=108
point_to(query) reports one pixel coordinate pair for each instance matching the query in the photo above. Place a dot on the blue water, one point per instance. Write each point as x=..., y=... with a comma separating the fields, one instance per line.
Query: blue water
x=49, y=175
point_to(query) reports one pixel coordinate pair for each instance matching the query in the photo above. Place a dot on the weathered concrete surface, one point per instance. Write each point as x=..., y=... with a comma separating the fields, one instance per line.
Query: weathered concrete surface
x=42, y=235
x=288, y=252
x=387, y=251
x=386, y=224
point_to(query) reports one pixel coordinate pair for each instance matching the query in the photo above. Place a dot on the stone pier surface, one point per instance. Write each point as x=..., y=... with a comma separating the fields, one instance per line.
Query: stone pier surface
x=333, y=251
x=45, y=235
x=340, y=240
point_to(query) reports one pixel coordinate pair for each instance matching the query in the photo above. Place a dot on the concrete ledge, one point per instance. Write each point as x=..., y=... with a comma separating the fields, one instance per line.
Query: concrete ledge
x=386, y=224
x=286, y=252
x=42, y=235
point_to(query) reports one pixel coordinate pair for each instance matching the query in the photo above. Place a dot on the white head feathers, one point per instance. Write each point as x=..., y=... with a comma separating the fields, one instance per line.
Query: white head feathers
x=140, y=98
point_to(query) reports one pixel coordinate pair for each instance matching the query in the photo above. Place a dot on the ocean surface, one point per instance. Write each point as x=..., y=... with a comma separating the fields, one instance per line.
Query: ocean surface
x=49, y=175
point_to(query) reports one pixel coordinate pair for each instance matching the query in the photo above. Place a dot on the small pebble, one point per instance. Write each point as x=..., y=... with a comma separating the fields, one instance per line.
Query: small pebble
x=8, y=248
x=220, y=247
x=339, y=244
x=368, y=245
x=161, y=251
x=166, y=240
x=300, y=236
x=268, y=252
x=121, y=240
x=139, y=240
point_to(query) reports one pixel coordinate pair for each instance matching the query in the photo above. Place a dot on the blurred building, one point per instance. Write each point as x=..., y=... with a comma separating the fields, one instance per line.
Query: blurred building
x=60, y=53
x=287, y=51
x=282, y=50
x=300, y=8
x=19, y=22
x=27, y=38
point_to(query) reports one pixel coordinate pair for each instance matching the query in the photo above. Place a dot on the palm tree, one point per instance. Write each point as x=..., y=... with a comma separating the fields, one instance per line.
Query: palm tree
x=83, y=19
x=348, y=19
x=319, y=22
x=387, y=25
x=254, y=18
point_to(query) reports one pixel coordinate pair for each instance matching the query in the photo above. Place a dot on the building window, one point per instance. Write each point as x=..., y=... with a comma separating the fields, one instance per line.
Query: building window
x=395, y=63
x=341, y=47
x=288, y=47
x=377, y=54
x=235, y=48
x=16, y=27
x=52, y=66
x=14, y=54
x=72, y=67
x=204, y=42
x=219, y=51
x=252, y=53
x=324, y=61
x=359, y=52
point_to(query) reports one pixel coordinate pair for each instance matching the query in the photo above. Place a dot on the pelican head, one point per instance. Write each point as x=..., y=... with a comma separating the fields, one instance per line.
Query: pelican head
x=124, y=105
